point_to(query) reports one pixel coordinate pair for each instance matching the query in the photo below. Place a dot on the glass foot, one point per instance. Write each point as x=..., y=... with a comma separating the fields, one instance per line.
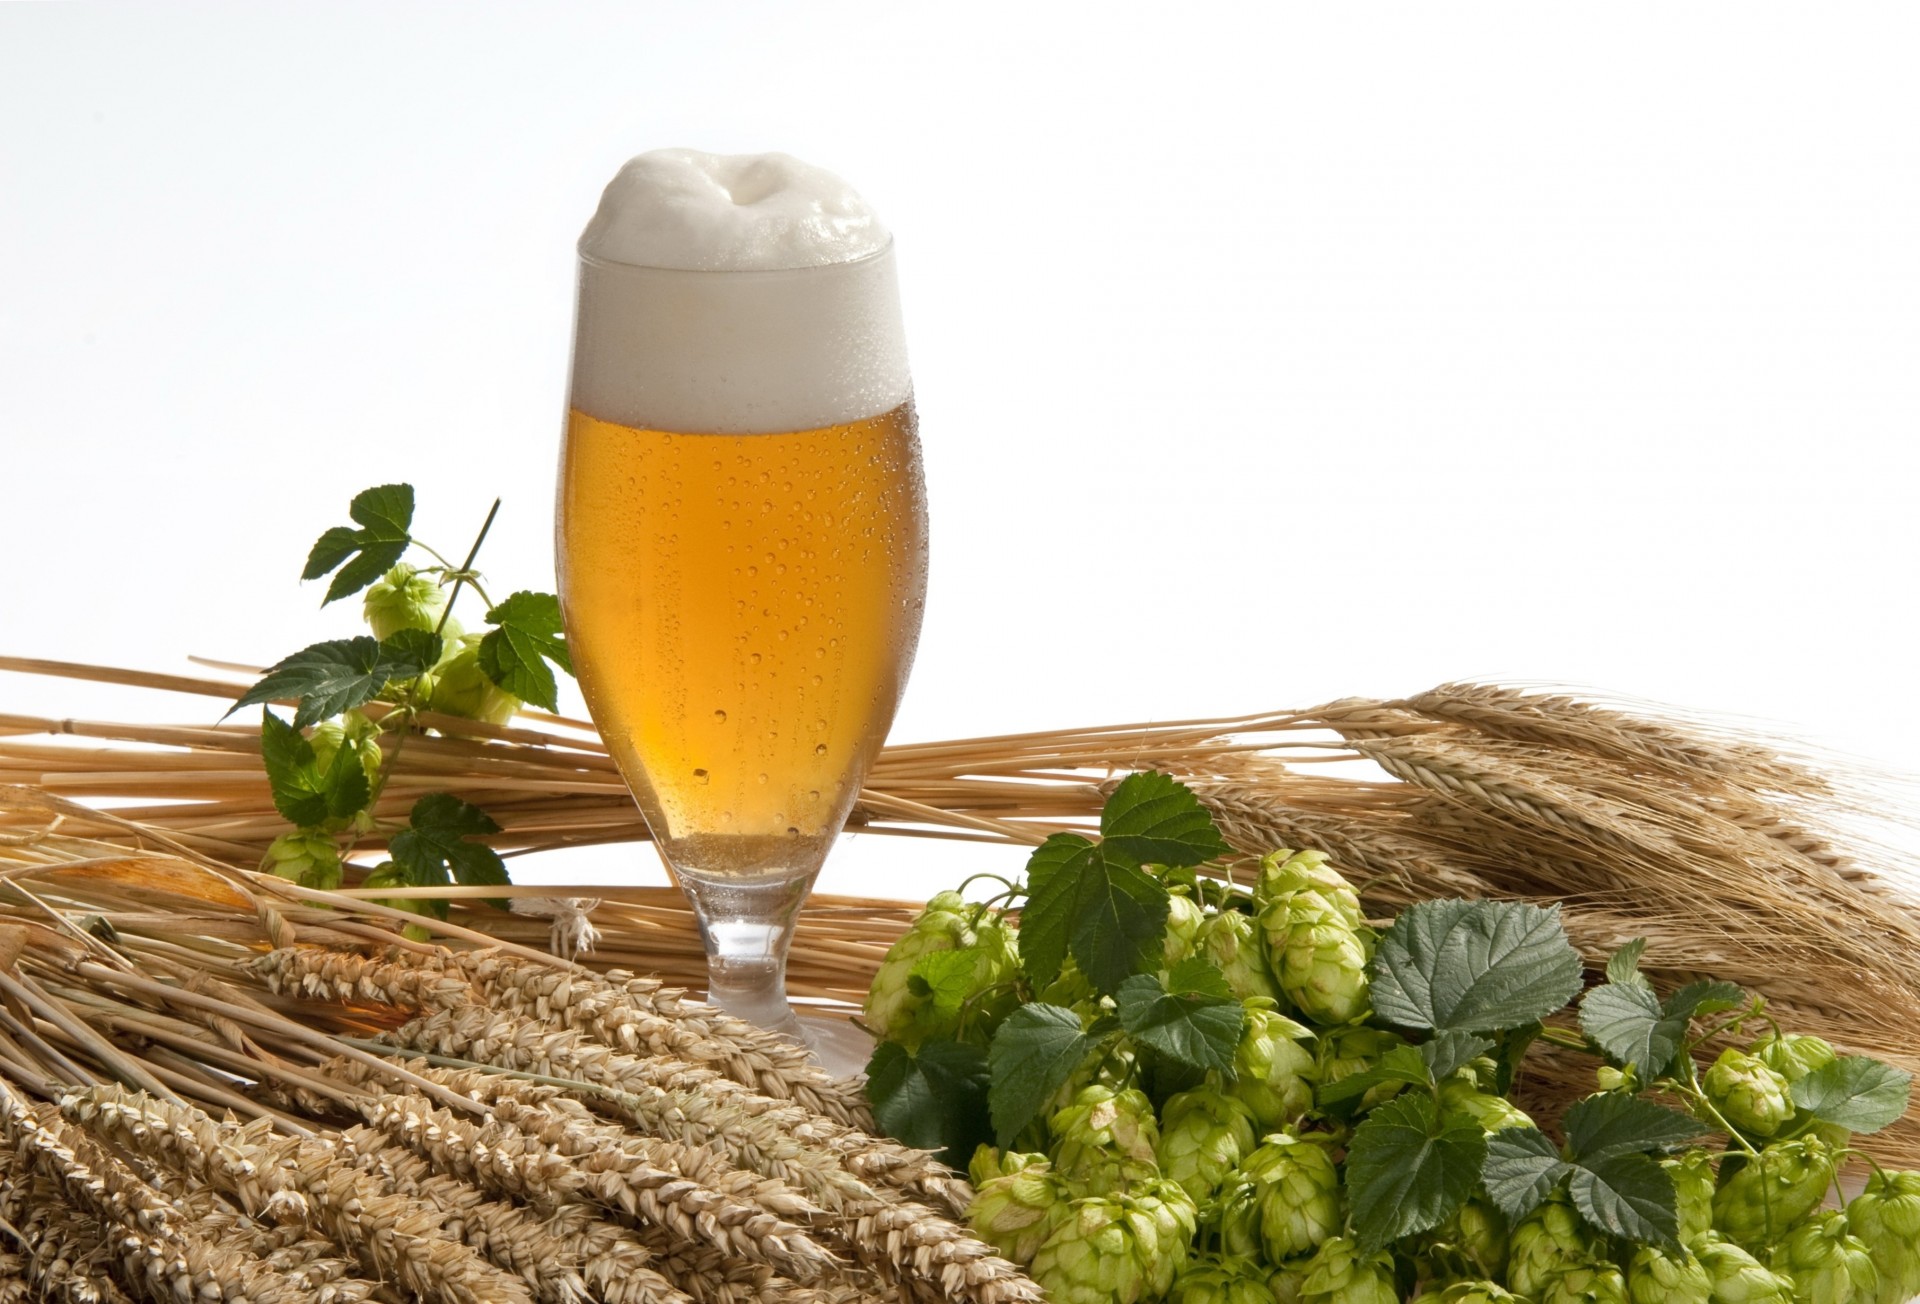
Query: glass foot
x=838, y=1046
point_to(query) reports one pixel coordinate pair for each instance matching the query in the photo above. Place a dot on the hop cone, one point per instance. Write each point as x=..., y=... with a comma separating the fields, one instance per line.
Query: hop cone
x=1285, y=873
x=403, y=599
x=1105, y=1140
x=1750, y=1095
x=350, y=730
x=1232, y=942
x=1545, y=1242
x=1274, y=1071
x=1692, y=1174
x=1461, y=1101
x=1173, y=1215
x=1472, y=1292
x=1184, y=917
x=1099, y=1254
x=992, y=947
x=1221, y=1279
x=1772, y=1192
x=458, y=686
x=1204, y=1133
x=1793, y=1055
x=1737, y=1277
x=891, y=1002
x=1233, y=1217
x=1339, y=1274
x=1288, y=1282
x=1886, y=1218
x=1319, y=957
x=988, y=1163
x=1016, y=1210
x=1298, y=1192
x=1656, y=1277
x=309, y=859
x=1355, y=1050
x=1828, y=1264
x=1470, y=1244
x=1593, y=1282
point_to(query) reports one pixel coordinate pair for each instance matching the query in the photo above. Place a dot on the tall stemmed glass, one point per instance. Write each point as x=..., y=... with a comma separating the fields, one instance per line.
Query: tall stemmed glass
x=742, y=562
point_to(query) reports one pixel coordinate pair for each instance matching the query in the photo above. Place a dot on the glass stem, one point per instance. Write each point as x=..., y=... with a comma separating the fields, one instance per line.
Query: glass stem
x=747, y=928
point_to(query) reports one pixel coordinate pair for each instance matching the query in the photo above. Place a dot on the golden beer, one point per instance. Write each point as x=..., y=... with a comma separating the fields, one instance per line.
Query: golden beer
x=742, y=532
x=743, y=611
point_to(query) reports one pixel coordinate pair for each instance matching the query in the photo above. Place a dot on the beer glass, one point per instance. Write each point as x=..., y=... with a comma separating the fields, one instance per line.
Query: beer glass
x=742, y=563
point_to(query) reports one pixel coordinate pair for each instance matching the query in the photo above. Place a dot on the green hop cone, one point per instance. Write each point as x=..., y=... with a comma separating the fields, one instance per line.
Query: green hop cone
x=1273, y=1066
x=1105, y=1140
x=388, y=874
x=1748, y=1094
x=1101, y=1253
x=1793, y=1055
x=991, y=994
x=1472, y=1292
x=1355, y=1050
x=403, y=598
x=1175, y=1218
x=1319, y=957
x=1232, y=1217
x=1462, y=1102
x=1471, y=1243
x=1297, y=1189
x=1285, y=873
x=1232, y=942
x=1771, y=1192
x=1339, y=1274
x=458, y=686
x=1204, y=1133
x=891, y=1002
x=1016, y=1210
x=1593, y=1282
x=1656, y=1277
x=1828, y=1264
x=1736, y=1276
x=1221, y=1279
x=1547, y=1241
x=1184, y=917
x=352, y=730
x=988, y=1163
x=1886, y=1218
x=309, y=859
x=1288, y=1282
x=1693, y=1179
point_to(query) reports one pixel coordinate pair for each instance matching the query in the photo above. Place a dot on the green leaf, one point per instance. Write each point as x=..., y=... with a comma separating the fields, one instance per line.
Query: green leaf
x=418, y=647
x=1856, y=1092
x=1473, y=966
x=948, y=977
x=1401, y=1064
x=1603, y=1126
x=338, y=675
x=1198, y=975
x=1629, y=1195
x=1626, y=1021
x=1624, y=967
x=385, y=517
x=1053, y=878
x=1197, y=1029
x=515, y=655
x=435, y=844
x=1699, y=998
x=1151, y=818
x=1522, y=1167
x=1449, y=1052
x=1033, y=1054
x=302, y=792
x=933, y=1100
x=1405, y=1174
x=1513, y=1049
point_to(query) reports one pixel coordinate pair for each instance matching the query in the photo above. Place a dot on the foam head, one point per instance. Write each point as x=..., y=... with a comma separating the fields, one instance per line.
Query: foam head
x=736, y=294
x=700, y=212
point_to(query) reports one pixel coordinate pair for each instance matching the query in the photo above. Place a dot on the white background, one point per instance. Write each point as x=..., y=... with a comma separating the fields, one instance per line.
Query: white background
x=1264, y=355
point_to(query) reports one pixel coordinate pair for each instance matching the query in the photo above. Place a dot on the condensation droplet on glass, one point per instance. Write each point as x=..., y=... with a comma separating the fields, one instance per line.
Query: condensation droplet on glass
x=816, y=678
x=763, y=778
x=753, y=659
x=819, y=749
x=814, y=795
x=792, y=831
x=719, y=717
x=700, y=776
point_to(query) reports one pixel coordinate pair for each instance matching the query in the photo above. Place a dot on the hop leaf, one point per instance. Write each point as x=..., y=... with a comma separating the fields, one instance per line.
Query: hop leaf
x=385, y=517
x=1473, y=966
x=1151, y=818
x=340, y=674
x=1033, y=1054
x=1110, y=915
x=1855, y=1092
x=1191, y=1019
x=307, y=795
x=1407, y=1171
x=515, y=654
x=435, y=844
x=933, y=1100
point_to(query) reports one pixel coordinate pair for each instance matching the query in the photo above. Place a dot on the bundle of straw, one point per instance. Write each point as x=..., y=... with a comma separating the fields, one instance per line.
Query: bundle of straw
x=1716, y=846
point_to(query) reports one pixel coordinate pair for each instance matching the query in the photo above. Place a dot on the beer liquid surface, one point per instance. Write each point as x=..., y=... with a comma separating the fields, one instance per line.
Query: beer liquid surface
x=743, y=611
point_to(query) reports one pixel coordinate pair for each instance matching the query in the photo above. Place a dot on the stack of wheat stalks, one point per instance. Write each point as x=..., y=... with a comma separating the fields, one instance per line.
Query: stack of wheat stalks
x=1714, y=845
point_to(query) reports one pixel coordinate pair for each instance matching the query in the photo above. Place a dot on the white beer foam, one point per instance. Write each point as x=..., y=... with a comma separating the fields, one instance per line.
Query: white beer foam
x=703, y=212
x=739, y=294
